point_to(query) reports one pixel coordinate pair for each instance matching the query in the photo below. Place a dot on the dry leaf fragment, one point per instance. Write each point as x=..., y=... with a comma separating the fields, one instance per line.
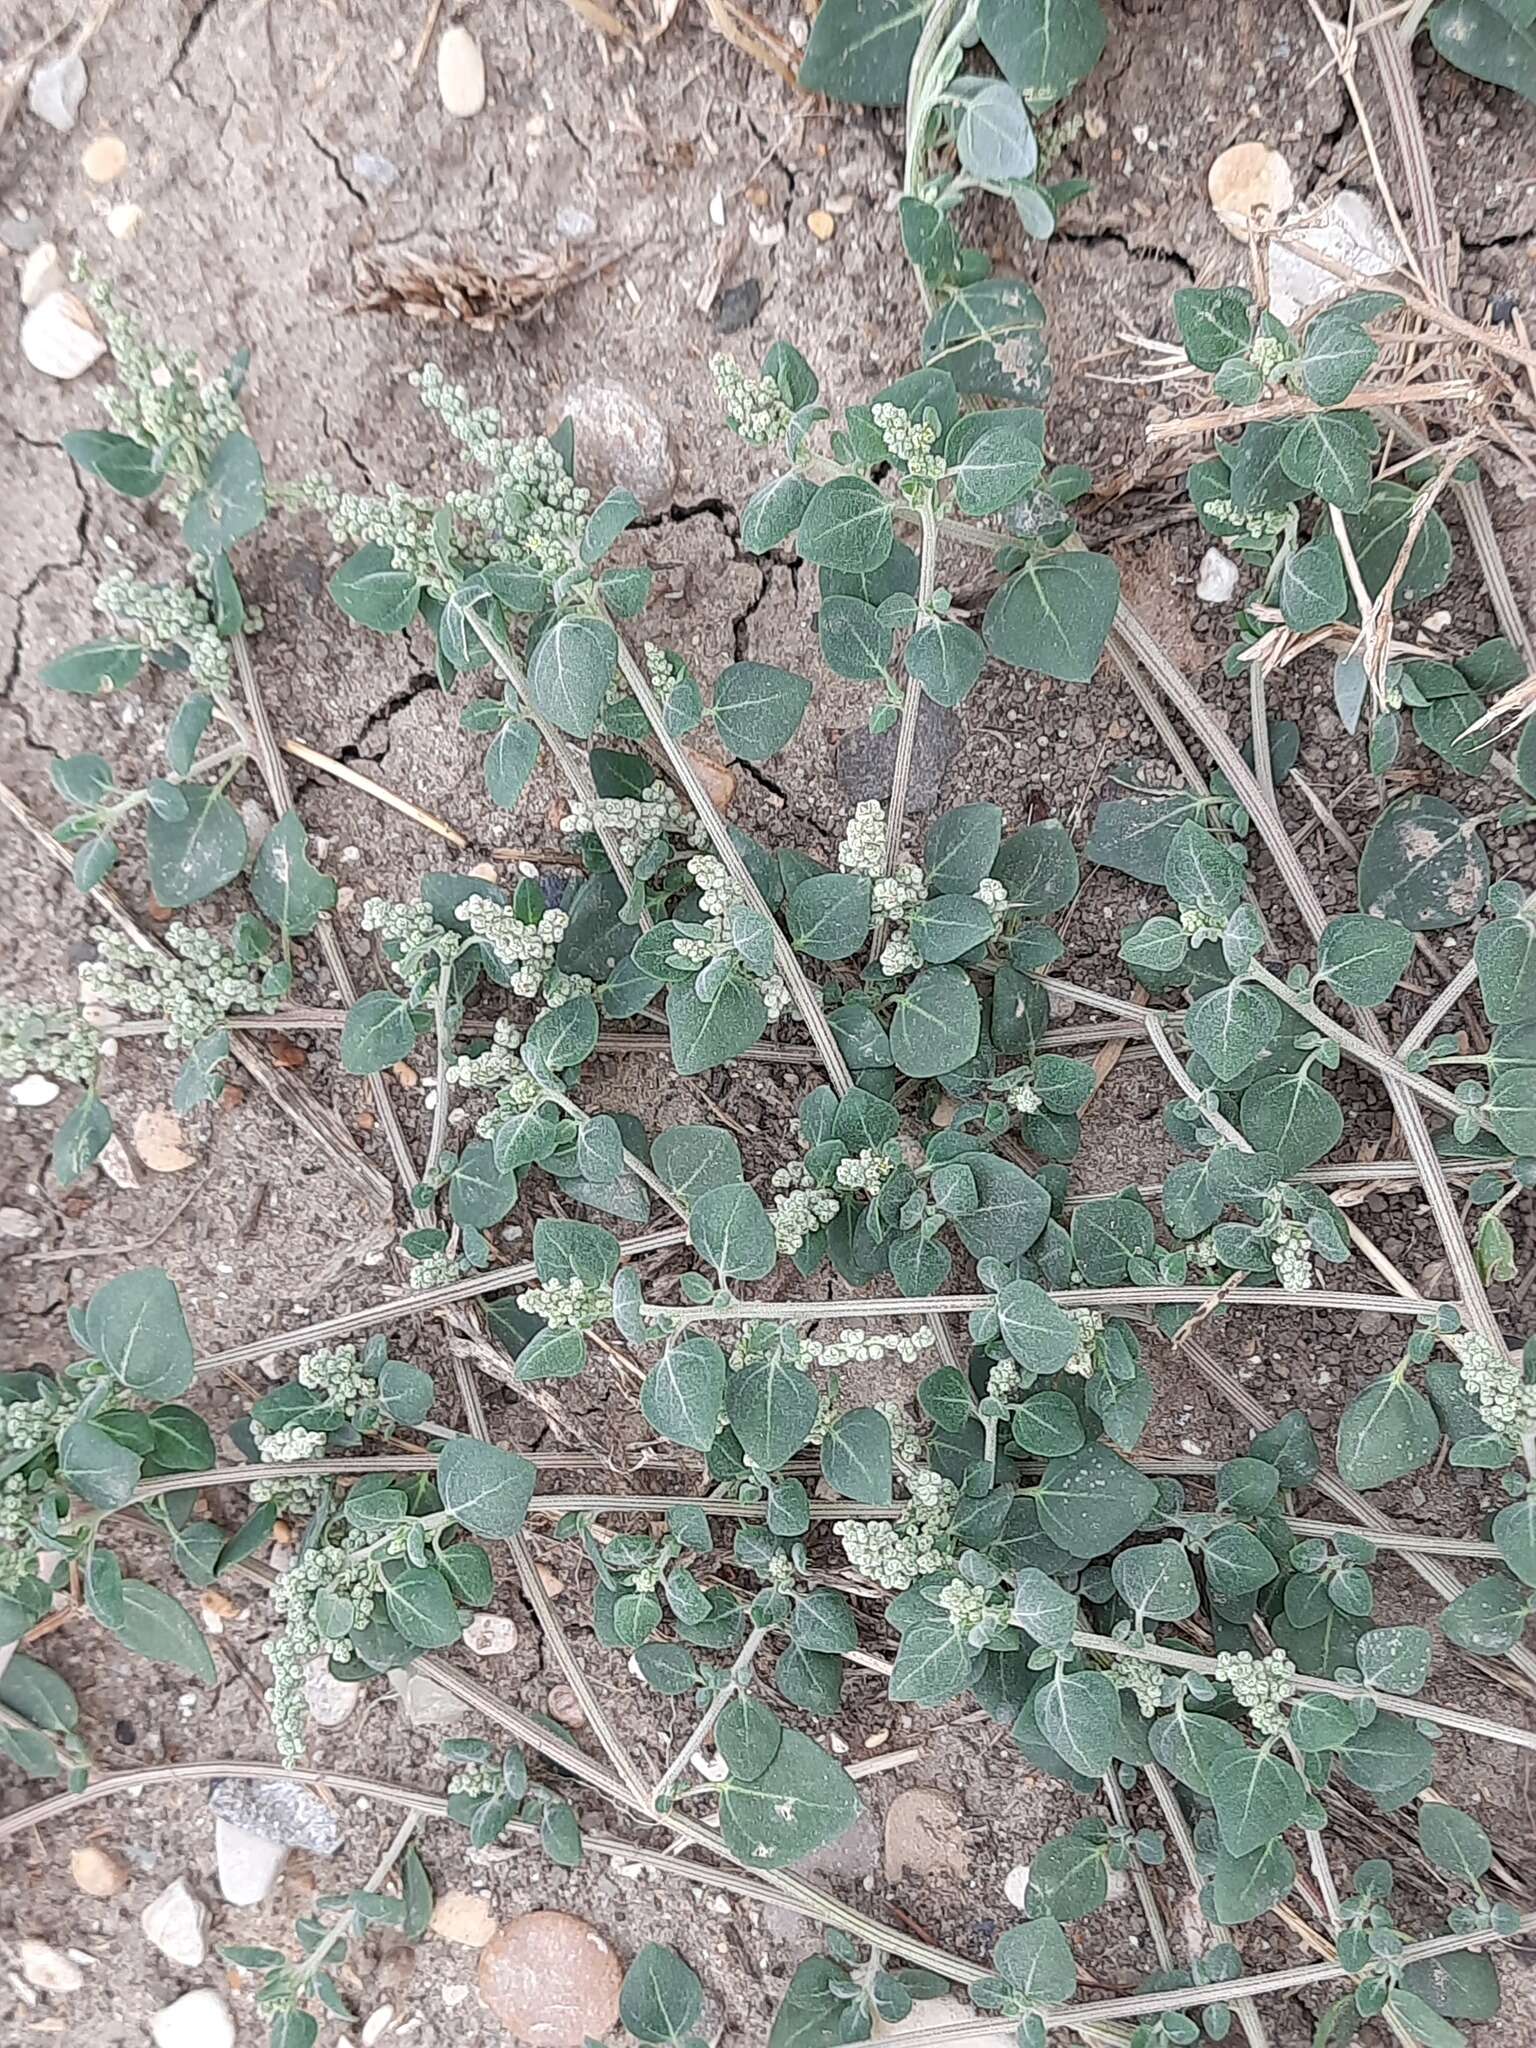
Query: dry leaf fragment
x=462, y=288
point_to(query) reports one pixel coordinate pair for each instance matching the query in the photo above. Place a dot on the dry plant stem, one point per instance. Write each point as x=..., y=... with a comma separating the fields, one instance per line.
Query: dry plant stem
x=1389, y=1703
x=1117, y=1299
x=1297, y=406
x=911, y=711
x=1447, y=999
x=1184, y=1846
x=740, y=1679
x=315, y=1119
x=274, y=773
x=1385, y=1064
x=1141, y=1884
x=313, y=758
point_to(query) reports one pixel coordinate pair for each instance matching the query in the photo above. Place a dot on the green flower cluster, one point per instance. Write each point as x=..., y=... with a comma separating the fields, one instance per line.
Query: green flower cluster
x=170, y=615
x=41, y=1041
x=194, y=992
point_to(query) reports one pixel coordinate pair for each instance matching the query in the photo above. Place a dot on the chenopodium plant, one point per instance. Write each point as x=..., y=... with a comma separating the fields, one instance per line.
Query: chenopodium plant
x=177, y=438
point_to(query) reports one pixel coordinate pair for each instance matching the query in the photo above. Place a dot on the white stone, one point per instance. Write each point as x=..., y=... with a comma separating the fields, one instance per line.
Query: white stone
x=48, y=1969
x=424, y=1702
x=946, y=2012
x=377, y=2025
x=34, y=1091
x=330, y=1700
x=249, y=1865
x=41, y=274
x=1219, y=578
x=575, y=223
x=491, y=1635
x=55, y=90
x=18, y=1224
x=460, y=73
x=1016, y=1886
x=176, y=1923
x=1349, y=229
x=58, y=339
x=200, y=2020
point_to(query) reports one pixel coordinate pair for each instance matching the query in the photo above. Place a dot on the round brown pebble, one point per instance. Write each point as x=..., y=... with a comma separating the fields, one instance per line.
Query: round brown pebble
x=97, y=1873
x=551, y=1980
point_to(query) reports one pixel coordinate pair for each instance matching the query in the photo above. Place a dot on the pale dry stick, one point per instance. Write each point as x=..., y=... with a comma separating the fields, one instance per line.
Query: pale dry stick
x=1438, y=1577
x=1141, y=1884
x=274, y=773
x=398, y=1844
x=1448, y=997
x=1118, y=1299
x=412, y=1302
x=911, y=712
x=740, y=1679
x=1376, y=624
x=1389, y=1703
x=1493, y=338
x=1184, y=1843
x=1384, y=1063
x=313, y=758
x=1342, y=45
x=315, y=1119
x=1298, y=406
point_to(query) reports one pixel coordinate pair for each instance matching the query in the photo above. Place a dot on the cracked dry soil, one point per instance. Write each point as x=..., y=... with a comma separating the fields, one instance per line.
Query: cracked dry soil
x=255, y=135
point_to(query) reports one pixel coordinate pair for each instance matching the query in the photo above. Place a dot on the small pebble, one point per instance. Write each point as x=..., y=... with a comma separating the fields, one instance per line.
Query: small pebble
x=48, y=1969
x=176, y=1923
x=330, y=1700
x=379, y=171
x=491, y=1635
x=464, y=1919
x=821, y=224
x=199, y=2020
x=1016, y=1886
x=550, y=1978
x=34, y=1091
x=55, y=90
x=1219, y=578
x=104, y=159
x=460, y=73
x=124, y=220
x=157, y=1138
x=41, y=274
x=58, y=339
x=97, y=1873
x=377, y=2025
x=565, y=1708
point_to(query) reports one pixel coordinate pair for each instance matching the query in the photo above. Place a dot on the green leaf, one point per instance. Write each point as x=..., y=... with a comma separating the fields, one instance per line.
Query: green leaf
x=692, y=1157
x=1157, y=1581
x=729, y=1226
x=1201, y=873
x=1043, y=1609
x=1385, y=1433
x=232, y=502
x=1395, y=1659
x=1092, y=1501
x=1487, y=1617
x=1213, y=324
x=1078, y=1713
x=1038, y=867
x=1043, y=47
x=1068, y=1878
x=660, y=1998
x=1514, y=1531
x=1424, y=865
x=419, y=1602
x=847, y=526
x=1314, y=590
x=289, y=889
x=860, y=51
x=748, y=1736
x=1335, y=355
x=945, y=928
x=937, y=1023
x=855, y=644
x=804, y=1799
x=193, y=855
x=990, y=337
x=758, y=708
x=774, y=509
x=93, y=670
x=772, y=1406
x=1010, y=1213
x=485, y=1489
x=706, y=1032
x=80, y=1140
x=1053, y=616
x=509, y=761
x=856, y=1456
x=481, y=1193
x=1257, y=1796
x=996, y=146
x=135, y=1326
x=946, y=658
x=570, y=671
x=1488, y=39
x=1243, y=1887
x=683, y=1394
x=1362, y=957
x=98, y=1467
x=999, y=459
x=1377, y=536
x=380, y=1029
x=370, y=589
x=1292, y=1117
x=961, y=847
x=1326, y=453
x=120, y=461
x=1453, y=1841
x=1035, y=1961
x=158, y=1627
x=1037, y=1333
x=828, y=916
x=932, y=1664
x=1231, y=1026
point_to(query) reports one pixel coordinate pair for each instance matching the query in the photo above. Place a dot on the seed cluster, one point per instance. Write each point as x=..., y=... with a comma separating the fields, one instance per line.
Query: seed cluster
x=1260, y=1685
x=754, y=406
x=41, y=1041
x=195, y=992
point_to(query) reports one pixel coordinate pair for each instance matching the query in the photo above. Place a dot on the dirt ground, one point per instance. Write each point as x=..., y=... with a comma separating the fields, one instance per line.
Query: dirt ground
x=270, y=148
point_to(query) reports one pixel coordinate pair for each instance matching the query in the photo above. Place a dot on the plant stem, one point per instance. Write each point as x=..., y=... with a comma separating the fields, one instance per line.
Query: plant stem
x=1114, y=1298
x=911, y=711
x=1383, y=1063
x=740, y=1678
